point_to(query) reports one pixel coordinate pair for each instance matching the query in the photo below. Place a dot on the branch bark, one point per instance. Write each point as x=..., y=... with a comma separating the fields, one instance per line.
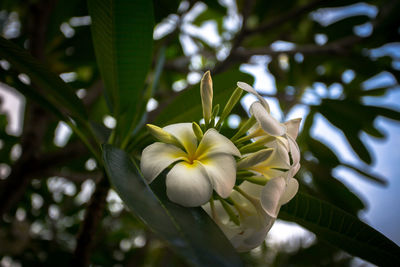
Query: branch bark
x=94, y=213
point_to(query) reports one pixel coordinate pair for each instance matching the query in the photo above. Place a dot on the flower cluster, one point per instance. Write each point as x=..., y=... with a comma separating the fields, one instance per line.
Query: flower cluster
x=252, y=173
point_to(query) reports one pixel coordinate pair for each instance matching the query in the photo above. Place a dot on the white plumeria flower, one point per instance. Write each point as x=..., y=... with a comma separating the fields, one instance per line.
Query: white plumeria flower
x=198, y=169
x=257, y=205
x=284, y=137
x=257, y=208
x=286, y=153
x=261, y=111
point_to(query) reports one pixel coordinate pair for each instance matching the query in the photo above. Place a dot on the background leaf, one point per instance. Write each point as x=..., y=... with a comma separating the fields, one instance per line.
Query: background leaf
x=123, y=37
x=341, y=229
x=53, y=88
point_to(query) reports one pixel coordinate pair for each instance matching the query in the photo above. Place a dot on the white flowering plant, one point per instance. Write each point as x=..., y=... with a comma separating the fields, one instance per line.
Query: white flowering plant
x=252, y=173
x=123, y=153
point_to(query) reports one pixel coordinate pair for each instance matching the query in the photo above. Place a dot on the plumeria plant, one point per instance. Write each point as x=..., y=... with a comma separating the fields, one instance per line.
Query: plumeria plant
x=126, y=156
x=252, y=173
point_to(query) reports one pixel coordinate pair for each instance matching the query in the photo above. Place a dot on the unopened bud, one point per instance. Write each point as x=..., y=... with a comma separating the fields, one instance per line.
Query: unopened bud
x=162, y=135
x=206, y=91
x=197, y=131
x=255, y=158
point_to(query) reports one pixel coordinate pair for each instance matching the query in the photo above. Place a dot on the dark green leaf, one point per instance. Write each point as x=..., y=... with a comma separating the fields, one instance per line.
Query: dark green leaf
x=334, y=191
x=190, y=231
x=341, y=229
x=350, y=117
x=164, y=8
x=373, y=177
x=359, y=147
x=123, y=37
x=101, y=131
x=386, y=112
x=29, y=92
x=50, y=85
x=324, y=154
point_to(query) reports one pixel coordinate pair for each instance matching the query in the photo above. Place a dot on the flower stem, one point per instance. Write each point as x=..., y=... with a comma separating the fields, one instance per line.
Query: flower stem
x=260, y=180
x=256, y=146
x=245, y=127
x=232, y=216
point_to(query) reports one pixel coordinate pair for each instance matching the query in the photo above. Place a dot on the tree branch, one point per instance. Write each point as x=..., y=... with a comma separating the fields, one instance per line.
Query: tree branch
x=338, y=47
x=281, y=19
x=94, y=213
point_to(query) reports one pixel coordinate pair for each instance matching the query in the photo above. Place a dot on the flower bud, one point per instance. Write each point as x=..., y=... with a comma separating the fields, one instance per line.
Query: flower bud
x=162, y=135
x=206, y=91
x=197, y=131
x=255, y=158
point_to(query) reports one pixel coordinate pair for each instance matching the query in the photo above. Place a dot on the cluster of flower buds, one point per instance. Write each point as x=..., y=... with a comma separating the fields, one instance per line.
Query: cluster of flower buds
x=252, y=173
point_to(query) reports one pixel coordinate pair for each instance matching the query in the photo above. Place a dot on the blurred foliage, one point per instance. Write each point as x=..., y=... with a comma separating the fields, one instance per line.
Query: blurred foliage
x=329, y=49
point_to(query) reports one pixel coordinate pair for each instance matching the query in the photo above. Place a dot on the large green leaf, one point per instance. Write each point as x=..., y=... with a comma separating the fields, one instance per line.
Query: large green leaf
x=29, y=92
x=190, y=231
x=50, y=86
x=186, y=107
x=350, y=117
x=341, y=229
x=122, y=37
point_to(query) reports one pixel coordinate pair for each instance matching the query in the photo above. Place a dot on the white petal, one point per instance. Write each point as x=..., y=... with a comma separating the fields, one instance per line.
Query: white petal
x=250, y=238
x=221, y=170
x=292, y=127
x=251, y=90
x=214, y=142
x=293, y=170
x=294, y=150
x=185, y=135
x=271, y=195
x=291, y=190
x=268, y=123
x=278, y=160
x=255, y=158
x=251, y=189
x=188, y=185
x=158, y=156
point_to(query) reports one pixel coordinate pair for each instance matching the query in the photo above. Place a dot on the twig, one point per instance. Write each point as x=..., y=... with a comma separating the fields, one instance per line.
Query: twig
x=337, y=47
x=94, y=213
x=281, y=19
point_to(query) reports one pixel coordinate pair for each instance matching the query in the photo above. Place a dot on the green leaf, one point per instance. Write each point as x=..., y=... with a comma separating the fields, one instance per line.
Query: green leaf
x=123, y=37
x=333, y=190
x=164, y=8
x=350, y=117
x=29, y=92
x=386, y=112
x=373, y=177
x=186, y=107
x=50, y=86
x=323, y=153
x=190, y=231
x=341, y=229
